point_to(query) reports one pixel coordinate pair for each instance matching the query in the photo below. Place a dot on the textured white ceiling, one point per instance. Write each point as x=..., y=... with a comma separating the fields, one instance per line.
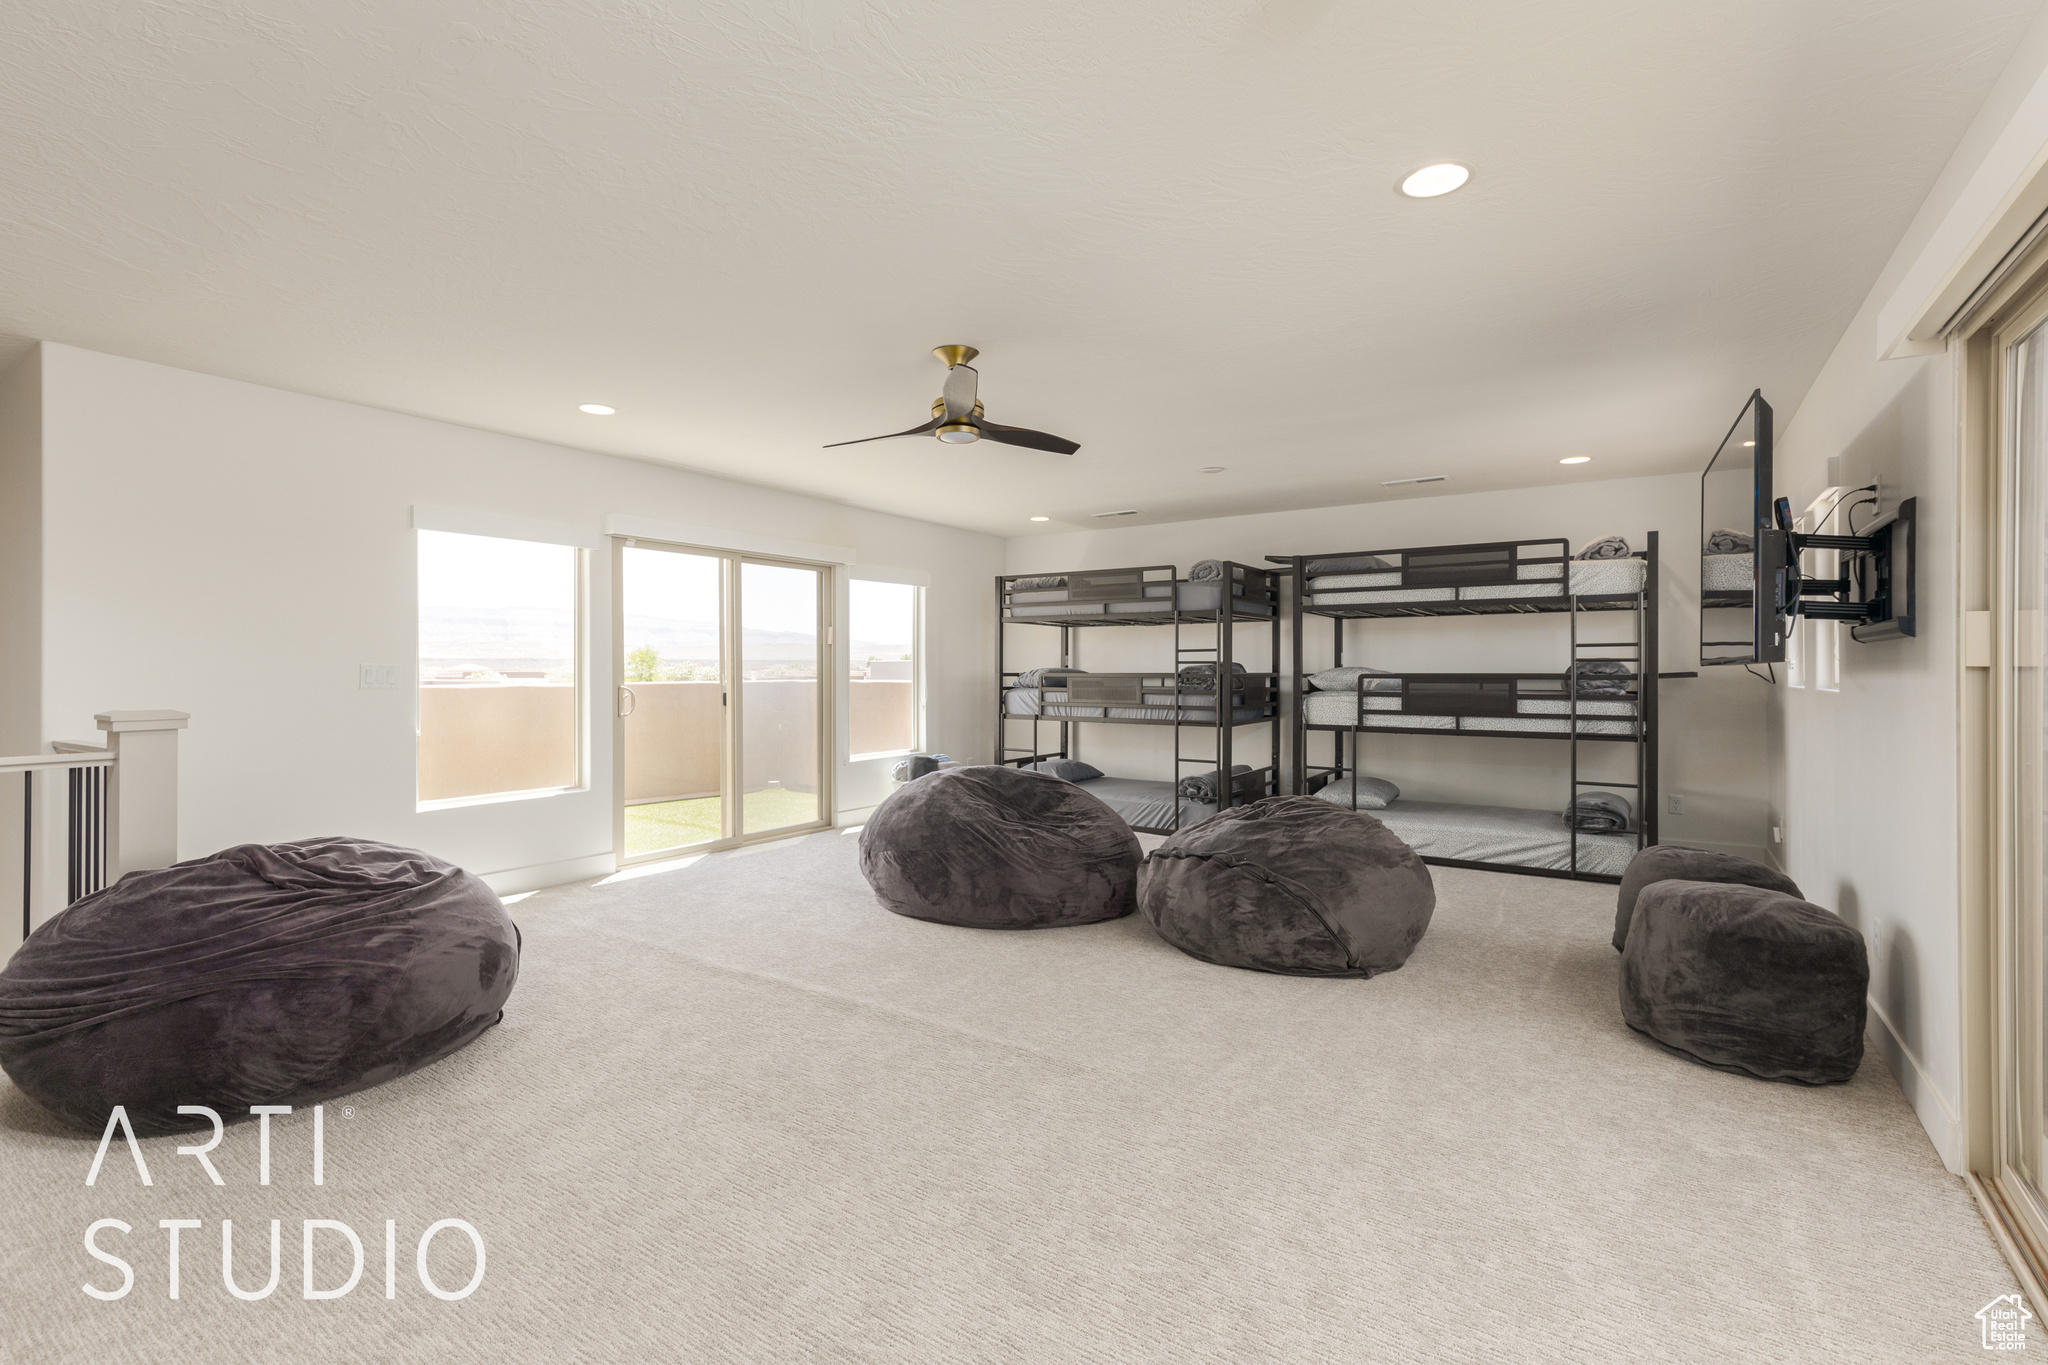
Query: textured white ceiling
x=1170, y=225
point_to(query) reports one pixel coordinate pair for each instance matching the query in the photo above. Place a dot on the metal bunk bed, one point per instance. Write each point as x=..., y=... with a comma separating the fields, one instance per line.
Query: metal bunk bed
x=1523, y=577
x=1059, y=698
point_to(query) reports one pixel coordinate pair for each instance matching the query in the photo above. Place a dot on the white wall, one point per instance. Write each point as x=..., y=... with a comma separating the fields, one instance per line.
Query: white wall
x=1866, y=779
x=1712, y=753
x=21, y=545
x=236, y=551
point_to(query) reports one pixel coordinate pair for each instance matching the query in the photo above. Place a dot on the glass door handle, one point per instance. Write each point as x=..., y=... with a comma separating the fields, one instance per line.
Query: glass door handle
x=628, y=703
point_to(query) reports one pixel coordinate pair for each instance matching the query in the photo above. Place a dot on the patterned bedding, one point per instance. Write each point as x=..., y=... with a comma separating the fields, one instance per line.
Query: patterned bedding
x=1199, y=707
x=1589, y=578
x=1146, y=804
x=1503, y=834
x=1536, y=716
x=1159, y=597
x=1727, y=573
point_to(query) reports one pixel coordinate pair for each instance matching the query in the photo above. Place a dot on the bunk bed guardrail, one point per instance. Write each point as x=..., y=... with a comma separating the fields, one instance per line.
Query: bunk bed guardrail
x=1484, y=578
x=1526, y=575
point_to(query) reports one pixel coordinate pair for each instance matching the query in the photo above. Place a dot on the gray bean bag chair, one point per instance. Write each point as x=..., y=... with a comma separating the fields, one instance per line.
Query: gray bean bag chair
x=1667, y=862
x=286, y=974
x=1290, y=884
x=1746, y=979
x=999, y=848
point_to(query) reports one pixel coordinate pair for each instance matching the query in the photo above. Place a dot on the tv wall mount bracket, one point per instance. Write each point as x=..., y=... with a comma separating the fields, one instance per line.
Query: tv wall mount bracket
x=1874, y=589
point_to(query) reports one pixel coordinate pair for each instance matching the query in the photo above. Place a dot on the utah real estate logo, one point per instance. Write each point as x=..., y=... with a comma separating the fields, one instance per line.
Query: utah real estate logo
x=2005, y=1321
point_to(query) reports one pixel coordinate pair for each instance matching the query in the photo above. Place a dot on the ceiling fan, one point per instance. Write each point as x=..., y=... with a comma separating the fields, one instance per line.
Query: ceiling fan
x=956, y=416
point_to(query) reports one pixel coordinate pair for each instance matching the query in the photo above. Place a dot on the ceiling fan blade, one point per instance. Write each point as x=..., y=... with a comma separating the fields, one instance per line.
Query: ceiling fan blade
x=961, y=382
x=1024, y=436
x=914, y=431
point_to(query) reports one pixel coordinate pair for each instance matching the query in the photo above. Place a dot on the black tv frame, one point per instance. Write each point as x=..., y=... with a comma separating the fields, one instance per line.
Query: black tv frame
x=1770, y=602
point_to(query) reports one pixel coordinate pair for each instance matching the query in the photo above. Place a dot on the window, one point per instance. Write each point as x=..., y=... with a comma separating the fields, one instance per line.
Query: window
x=1822, y=647
x=497, y=668
x=882, y=637
x=1795, y=640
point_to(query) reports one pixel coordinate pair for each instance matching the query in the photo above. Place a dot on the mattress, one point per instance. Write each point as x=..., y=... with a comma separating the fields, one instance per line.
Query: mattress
x=1049, y=702
x=1537, y=716
x=1159, y=597
x=1589, y=578
x=1727, y=573
x=1146, y=803
x=1503, y=834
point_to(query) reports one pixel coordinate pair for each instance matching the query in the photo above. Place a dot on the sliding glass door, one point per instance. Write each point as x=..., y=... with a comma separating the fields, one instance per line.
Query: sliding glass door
x=672, y=699
x=721, y=720
x=2020, y=1169
x=780, y=704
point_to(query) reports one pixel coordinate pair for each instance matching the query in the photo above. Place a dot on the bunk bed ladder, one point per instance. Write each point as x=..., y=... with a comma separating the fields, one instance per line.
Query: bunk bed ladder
x=1219, y=656
x=1644, y=650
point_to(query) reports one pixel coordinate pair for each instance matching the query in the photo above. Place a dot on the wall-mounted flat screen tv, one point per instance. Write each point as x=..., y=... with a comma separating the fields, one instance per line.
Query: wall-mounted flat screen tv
x=1742, y=551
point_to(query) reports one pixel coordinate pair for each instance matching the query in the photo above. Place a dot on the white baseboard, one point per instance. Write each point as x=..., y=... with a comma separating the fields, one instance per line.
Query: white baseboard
x=514, y=880
x=1936, y=1114
x=858, y=815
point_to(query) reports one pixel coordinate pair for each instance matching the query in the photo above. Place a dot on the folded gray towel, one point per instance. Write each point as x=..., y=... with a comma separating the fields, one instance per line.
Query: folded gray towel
x=1727, y=542
x=918, y=765
x=1205, y=571
x=1051, y=580
x=1599, y=813
x=1203, y=788
x=1607, y=547
x=1604, y=678
x=1356, y=564
x=1034, y=677
x=1204, y=673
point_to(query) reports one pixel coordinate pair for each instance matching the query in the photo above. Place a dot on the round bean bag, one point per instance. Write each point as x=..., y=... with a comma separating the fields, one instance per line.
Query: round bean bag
x=1668, y=862
x=1746, y=979
x=999, y=848
x=261, y=975
x=1290, y=884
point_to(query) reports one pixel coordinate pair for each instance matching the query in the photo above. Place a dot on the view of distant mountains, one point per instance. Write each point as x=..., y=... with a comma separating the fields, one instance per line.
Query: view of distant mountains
x=524, y=635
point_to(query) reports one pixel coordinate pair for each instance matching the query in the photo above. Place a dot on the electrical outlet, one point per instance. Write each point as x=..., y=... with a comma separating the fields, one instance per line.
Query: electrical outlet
x=1677, y=806
x=377, y=677
x=1777, y=834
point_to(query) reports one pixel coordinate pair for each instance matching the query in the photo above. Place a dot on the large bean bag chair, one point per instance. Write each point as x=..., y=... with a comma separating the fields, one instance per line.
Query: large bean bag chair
x=1667, y=862
x=1746, y=979
x=261, y=975
x=1290, y=884
x=999, y=848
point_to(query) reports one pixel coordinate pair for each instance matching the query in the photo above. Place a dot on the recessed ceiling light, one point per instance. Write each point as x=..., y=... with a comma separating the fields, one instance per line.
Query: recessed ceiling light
x=1212, y=469
x=596, y=409
x=1749, y=443
x=1431, y=181
x=1576, y=459
x=1041, y=518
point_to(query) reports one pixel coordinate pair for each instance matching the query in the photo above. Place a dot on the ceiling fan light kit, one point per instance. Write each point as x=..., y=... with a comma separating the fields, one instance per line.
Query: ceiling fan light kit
x=957, y=418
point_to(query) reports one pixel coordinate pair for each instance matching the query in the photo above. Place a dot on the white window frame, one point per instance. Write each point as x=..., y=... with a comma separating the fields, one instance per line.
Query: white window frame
x=921, y=582
x=498, y=526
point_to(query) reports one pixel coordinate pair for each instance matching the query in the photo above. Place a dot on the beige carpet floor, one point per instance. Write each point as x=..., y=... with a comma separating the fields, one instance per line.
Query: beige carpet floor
x=737, y=1112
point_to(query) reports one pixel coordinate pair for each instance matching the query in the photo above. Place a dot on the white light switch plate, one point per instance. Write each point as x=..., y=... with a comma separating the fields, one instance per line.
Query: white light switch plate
x=378, y=677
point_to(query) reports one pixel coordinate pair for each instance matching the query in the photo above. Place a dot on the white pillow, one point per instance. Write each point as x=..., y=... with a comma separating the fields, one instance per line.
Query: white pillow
x=1345, y=679
x=1374, y=793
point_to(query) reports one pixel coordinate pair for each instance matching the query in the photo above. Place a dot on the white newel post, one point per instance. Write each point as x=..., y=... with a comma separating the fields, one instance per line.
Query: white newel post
x=142, y=801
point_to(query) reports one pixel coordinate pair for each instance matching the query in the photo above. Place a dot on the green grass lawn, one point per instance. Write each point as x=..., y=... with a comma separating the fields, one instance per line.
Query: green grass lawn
x=676, y=824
